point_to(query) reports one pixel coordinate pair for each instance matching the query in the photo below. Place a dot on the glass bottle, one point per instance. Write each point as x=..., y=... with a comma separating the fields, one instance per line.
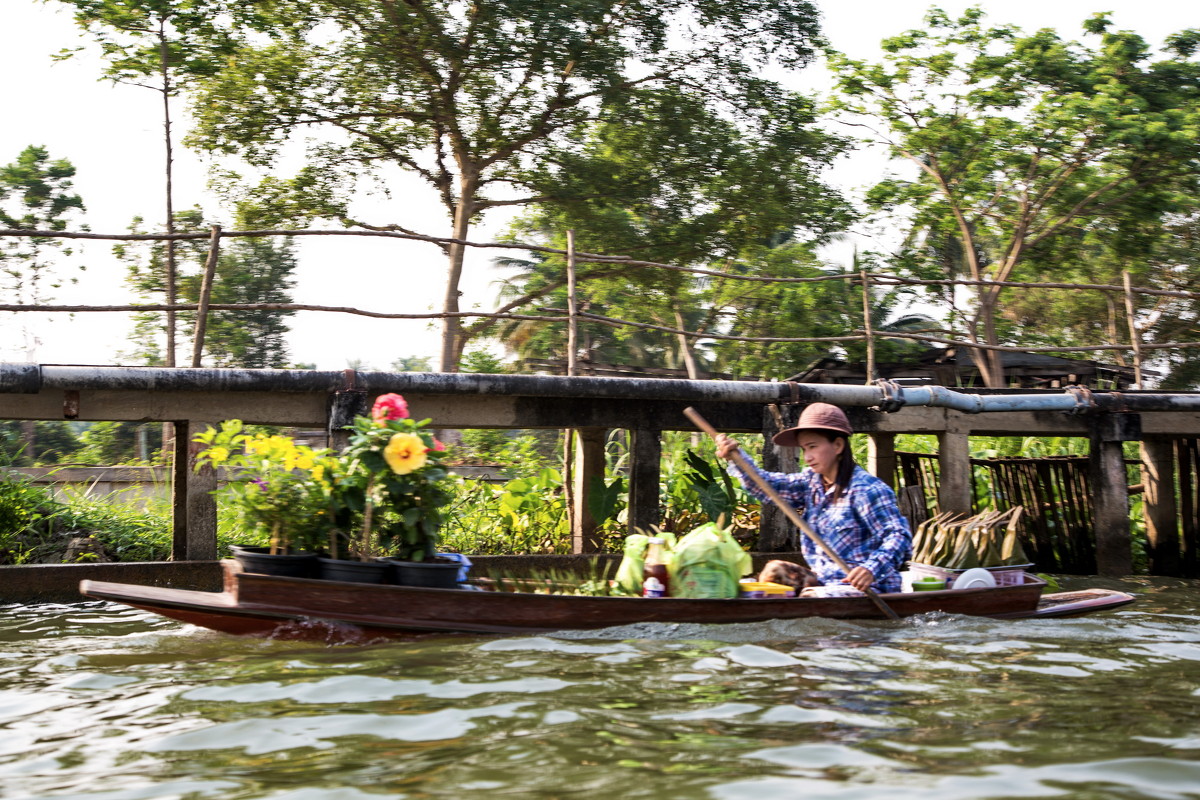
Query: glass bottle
x=655, y=581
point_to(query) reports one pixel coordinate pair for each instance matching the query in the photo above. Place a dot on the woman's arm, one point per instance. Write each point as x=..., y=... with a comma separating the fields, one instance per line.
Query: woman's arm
x=875, y=504
x=790, y=485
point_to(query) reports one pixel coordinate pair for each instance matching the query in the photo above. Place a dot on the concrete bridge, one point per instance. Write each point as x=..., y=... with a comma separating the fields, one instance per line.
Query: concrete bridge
x=192, y=399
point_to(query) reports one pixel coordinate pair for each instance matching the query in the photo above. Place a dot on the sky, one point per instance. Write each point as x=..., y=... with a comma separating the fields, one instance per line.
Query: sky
x=113, y=136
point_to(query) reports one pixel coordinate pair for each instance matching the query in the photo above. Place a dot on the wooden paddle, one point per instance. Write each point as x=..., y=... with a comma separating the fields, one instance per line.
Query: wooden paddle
x=787, y=509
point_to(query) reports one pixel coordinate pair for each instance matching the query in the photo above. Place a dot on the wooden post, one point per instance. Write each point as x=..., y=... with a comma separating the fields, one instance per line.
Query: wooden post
x=343, y=408
x=1162, y=512
x=589, y=468
x=866, y=301
x=1110, y=491
x=954, y=471
x=569, y=492
x=1135, y=337
x=194, y=509
x=572, y=308
x=645, y=447
x=210, y=269
x=775, y=533
x=881, y=457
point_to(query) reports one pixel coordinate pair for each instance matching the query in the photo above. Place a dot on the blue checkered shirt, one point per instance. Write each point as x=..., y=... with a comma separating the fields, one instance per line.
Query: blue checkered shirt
x=864, y=526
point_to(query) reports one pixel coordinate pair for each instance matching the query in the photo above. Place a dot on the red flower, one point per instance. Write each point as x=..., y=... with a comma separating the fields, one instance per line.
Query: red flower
x=438, y=445
x=389, y=406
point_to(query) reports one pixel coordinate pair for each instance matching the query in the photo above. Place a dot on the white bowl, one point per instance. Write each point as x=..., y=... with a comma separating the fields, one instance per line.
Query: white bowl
x=977, y=578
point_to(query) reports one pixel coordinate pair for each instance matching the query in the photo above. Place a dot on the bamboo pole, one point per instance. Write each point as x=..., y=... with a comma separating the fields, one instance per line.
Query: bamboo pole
x=572, y=368
x=210, y=269
x=866, y=302
x=572, y=308
x=1135, y=337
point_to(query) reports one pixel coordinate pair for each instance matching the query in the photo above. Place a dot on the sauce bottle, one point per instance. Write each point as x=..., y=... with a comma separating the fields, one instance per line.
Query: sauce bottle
x=655, y=582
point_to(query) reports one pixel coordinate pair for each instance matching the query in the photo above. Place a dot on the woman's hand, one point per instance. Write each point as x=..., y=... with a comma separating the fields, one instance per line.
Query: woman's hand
x=726, y=447
x=860, y=578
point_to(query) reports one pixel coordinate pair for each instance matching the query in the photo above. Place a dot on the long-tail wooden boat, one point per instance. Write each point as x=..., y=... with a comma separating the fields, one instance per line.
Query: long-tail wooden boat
x=266, y=605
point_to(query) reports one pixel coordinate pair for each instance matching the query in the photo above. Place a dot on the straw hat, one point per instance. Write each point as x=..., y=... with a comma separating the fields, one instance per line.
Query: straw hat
x=815, y=417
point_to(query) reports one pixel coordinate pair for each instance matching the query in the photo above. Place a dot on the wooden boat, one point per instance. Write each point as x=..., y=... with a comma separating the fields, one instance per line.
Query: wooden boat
x=267, y=605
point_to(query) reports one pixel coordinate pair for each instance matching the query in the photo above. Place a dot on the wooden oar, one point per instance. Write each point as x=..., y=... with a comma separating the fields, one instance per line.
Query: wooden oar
x=787, y=509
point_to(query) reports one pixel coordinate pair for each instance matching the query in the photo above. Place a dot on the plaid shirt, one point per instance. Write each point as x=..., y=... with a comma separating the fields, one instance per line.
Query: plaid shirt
x=864, y=527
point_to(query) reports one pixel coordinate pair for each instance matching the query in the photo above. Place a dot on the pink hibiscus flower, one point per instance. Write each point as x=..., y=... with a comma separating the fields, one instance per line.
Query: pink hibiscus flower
x=389, y=406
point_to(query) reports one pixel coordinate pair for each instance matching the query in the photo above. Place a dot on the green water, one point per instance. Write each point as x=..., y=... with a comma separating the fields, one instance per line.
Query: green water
x=102, y=702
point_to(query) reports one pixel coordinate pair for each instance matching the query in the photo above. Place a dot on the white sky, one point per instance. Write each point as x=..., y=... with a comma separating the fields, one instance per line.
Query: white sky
x=112, y=134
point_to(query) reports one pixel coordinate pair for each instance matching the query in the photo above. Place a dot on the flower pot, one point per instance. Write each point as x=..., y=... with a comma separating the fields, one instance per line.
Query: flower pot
x=335, y=569
x=431, y=574
x=290, y=565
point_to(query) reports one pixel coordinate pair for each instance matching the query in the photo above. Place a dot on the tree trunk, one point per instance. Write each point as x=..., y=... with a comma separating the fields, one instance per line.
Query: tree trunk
x=685, y=347
x=169, y=359
x=452, y=333
x=991, y=370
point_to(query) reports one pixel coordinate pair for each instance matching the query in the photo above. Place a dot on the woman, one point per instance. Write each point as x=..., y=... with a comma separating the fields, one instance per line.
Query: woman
x=853, y=511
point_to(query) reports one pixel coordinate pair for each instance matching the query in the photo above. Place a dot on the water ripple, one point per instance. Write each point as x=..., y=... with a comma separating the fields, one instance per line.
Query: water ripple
x=99, y=702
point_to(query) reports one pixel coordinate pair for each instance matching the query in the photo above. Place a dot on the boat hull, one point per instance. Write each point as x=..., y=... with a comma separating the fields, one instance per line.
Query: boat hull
x=266, y=605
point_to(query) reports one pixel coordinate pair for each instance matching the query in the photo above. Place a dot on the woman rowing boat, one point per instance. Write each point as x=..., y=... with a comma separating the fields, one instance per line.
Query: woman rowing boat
x=853, y=511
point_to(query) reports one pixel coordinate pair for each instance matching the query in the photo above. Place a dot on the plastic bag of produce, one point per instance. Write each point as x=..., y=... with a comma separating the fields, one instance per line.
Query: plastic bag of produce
x=633, y=563
x=708, y=563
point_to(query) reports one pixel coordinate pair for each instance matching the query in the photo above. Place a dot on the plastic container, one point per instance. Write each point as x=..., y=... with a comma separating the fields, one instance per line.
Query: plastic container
x=1011, y=575
x=759, y=589
x=928, y=584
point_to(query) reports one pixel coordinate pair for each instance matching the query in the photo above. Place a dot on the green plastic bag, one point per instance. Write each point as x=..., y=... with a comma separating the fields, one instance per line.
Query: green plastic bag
x=707, y=563
x=629, y=573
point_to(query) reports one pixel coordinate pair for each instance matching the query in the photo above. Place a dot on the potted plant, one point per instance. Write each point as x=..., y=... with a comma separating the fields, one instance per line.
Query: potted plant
x=272, y=489
x=391, y=487
x=373, y=511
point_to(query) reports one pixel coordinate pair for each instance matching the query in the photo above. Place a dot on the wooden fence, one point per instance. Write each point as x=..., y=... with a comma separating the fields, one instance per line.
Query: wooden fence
x=1058, y=533
x=1138, y=348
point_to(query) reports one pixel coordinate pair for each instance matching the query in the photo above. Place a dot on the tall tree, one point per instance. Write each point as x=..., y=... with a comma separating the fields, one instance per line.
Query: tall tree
x=159, y=45
x=1020, y=139
x=36, y=193
x=482, y=99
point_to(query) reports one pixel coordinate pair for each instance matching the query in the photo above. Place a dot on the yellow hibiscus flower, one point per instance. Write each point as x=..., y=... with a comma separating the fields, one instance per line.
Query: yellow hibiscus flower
x=405, y=452
x=218, y=454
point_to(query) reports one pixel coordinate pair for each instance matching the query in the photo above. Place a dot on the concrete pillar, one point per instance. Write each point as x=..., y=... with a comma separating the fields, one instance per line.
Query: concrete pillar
x=775, y=533
x=881, y=457
x=1162, y=512
x=194, y=509
x=589, y=469
x=344, y=406
x=645, y=469
x=954, y=471
x=1110, y=491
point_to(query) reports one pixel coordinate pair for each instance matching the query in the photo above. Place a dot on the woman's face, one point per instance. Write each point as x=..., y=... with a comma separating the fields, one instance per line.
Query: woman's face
x=820, y=453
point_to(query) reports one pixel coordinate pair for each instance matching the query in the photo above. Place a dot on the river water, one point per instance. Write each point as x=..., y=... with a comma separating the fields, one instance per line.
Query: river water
x=102, y=702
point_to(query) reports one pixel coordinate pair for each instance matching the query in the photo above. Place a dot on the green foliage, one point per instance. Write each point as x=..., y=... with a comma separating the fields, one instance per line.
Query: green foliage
x=35, y=527
x=108, y=443
x=249, y=270
x=276, y=487
x=1027, y=148
x=142, y=39
x=390, y=478
x=412, y=364
x=503, y=102
x=695, y=492
x=524, y=515
x=35, y=194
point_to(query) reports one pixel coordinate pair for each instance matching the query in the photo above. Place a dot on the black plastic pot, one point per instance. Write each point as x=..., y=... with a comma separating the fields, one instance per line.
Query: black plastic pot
x=430, y=574
x=335, y=569
x=289, y=565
